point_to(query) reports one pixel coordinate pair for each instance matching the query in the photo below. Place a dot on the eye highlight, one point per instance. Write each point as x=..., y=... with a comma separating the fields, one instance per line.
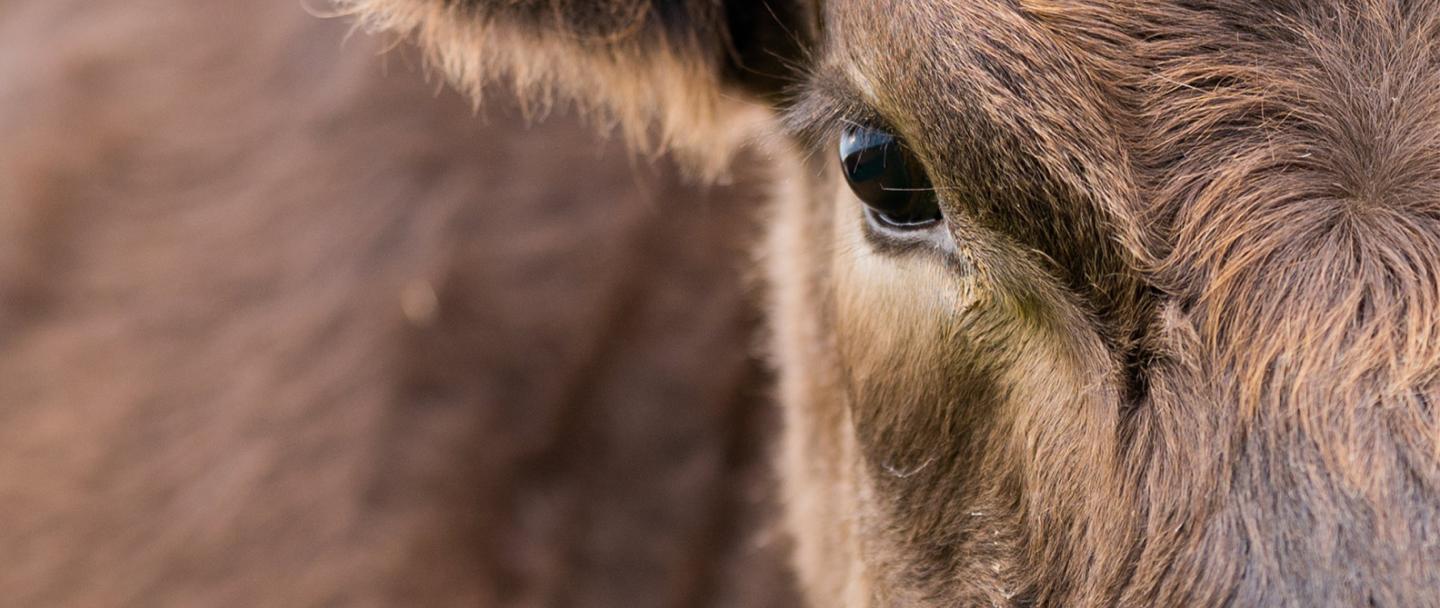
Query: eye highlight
x=885, y=175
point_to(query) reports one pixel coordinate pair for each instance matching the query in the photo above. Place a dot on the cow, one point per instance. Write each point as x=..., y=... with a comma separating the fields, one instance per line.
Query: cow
x=1081, y=303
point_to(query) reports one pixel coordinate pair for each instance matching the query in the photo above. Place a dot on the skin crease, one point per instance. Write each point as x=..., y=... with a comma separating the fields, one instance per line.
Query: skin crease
x=1183, y=351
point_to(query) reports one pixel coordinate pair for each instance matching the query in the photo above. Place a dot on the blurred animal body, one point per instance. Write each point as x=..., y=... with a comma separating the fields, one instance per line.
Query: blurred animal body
x=284, y=324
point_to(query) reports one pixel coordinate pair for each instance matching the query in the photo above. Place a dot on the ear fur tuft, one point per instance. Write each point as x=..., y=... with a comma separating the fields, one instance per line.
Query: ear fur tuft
x=656, y=71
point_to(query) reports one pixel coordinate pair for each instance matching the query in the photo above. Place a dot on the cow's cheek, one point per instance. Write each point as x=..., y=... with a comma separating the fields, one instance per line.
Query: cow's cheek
x=920, y=362
x=902, y=333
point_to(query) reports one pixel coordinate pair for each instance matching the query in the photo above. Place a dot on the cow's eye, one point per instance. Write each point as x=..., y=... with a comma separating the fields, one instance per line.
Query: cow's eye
x=887, y=177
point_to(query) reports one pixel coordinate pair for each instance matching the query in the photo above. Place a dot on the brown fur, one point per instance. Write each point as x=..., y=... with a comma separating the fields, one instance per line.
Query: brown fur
x=283, y=324
x=1186, y=354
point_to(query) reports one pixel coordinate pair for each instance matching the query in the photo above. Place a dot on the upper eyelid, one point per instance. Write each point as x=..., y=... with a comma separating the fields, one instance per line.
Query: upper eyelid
x=827, y=103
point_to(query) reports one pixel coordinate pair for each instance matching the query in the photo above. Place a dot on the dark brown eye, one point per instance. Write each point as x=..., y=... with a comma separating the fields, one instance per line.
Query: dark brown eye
x=889, y=180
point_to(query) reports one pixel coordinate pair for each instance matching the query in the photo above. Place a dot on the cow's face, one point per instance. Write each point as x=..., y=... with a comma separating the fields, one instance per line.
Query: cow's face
x=1075, y=303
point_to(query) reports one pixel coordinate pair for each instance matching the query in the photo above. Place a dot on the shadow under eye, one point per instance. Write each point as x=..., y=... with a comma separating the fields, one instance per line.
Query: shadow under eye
x=934, y=240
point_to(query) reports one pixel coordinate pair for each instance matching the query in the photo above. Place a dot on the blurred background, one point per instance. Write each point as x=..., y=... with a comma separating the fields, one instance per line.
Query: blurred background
x=285, y=322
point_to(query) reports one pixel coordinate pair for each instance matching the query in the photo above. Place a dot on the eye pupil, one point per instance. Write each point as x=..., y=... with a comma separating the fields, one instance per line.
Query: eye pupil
x=887, y=178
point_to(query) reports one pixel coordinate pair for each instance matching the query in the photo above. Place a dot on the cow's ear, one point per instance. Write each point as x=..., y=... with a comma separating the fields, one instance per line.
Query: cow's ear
x=676, y=72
